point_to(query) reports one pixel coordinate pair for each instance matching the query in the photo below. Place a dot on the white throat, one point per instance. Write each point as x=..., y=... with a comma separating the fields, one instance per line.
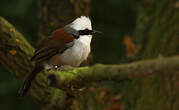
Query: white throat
x=79, y=52
x=85, y=39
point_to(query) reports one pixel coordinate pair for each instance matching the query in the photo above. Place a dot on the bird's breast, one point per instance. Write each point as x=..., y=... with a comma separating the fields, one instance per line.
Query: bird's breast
x=75, y=54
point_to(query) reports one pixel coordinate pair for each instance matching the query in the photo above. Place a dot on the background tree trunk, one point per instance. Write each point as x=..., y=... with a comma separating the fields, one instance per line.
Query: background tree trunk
x=57, y=13
x=156, y=35
x=156, y=30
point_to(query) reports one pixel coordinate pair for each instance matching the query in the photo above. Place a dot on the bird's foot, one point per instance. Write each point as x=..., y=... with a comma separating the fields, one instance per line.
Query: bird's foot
x=57, y=68
x=63, y=68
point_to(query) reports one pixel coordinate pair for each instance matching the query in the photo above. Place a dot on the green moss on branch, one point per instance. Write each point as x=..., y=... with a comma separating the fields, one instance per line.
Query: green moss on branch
x=79, y=77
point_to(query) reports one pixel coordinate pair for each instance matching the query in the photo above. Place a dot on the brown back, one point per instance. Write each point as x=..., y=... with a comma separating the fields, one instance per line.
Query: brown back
x=52, y=45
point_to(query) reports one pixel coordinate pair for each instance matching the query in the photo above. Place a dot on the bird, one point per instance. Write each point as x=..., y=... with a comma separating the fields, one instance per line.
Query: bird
x=69, y=45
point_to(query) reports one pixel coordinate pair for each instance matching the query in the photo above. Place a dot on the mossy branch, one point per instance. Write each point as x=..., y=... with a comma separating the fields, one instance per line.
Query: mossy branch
x=15, y=53
x=79, y=77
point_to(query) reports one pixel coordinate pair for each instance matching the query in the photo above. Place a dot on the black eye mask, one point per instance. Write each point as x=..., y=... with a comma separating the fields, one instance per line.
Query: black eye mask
x=88, y=32
x=76, y=33
x=85, y=32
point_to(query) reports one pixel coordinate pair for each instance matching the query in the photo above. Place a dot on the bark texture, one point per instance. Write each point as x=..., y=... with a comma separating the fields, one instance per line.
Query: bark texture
x=156, y=29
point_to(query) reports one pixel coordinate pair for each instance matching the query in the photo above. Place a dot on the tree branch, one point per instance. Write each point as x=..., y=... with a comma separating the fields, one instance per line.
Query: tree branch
x=79, y=77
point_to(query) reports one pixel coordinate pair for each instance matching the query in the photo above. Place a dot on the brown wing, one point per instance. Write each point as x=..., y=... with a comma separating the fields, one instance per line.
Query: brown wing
x=57, y=43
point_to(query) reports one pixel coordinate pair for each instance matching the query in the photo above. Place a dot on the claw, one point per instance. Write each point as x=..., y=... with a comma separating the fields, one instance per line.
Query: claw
x=57, y=68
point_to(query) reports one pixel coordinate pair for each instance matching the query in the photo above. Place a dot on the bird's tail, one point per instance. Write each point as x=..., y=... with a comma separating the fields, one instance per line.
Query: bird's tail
x=27, y=83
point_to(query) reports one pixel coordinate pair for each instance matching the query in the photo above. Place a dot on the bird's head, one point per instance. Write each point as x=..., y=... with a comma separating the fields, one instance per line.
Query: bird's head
x=80, y=26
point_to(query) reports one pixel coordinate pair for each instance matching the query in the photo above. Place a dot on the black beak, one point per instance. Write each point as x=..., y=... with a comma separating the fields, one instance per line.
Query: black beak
x=95, y=32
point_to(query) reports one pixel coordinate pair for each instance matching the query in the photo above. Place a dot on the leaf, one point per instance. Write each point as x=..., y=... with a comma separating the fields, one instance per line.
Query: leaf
x=131, y=48
x=101, y=95
x=12, y=52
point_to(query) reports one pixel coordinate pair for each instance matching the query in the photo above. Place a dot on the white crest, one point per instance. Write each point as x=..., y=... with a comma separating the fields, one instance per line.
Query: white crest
x=81, y=23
